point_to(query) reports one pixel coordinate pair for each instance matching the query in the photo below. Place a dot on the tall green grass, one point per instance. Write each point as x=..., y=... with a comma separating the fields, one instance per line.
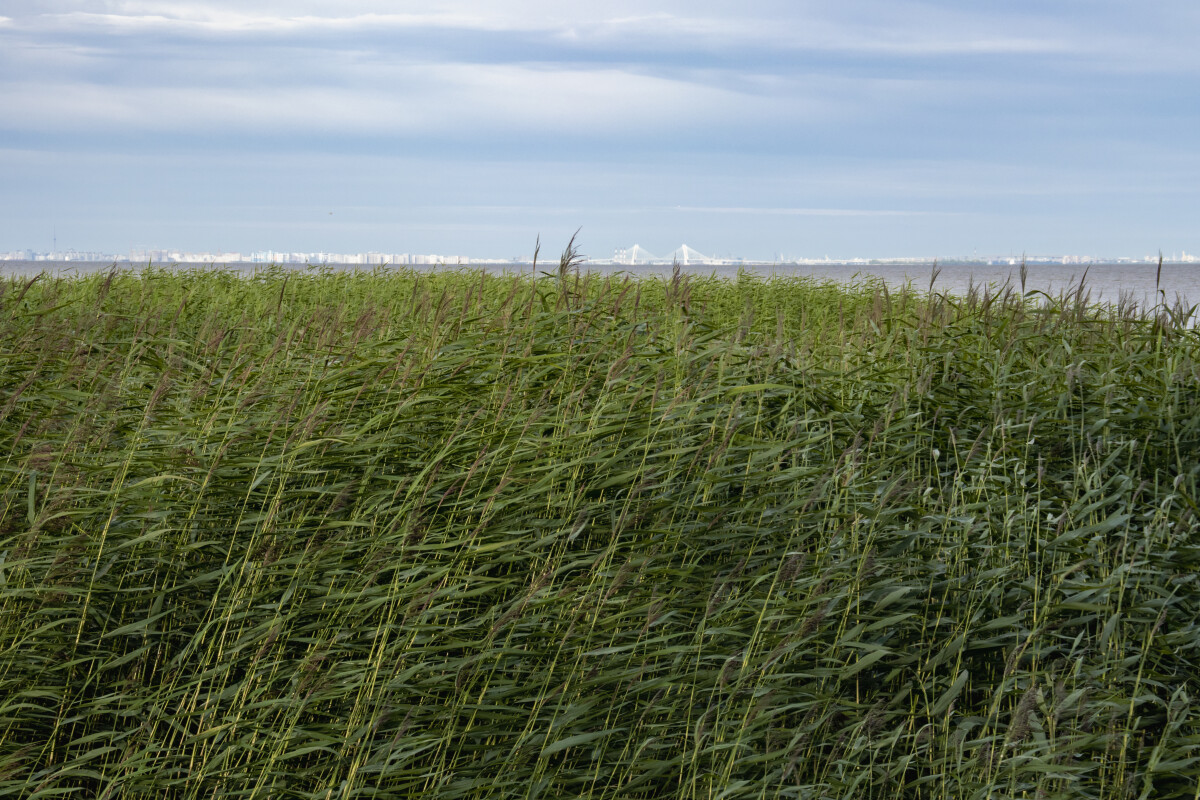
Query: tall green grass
x=456, y=535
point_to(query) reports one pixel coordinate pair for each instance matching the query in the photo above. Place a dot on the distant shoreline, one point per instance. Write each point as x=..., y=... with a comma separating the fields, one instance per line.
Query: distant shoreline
x=9, y=266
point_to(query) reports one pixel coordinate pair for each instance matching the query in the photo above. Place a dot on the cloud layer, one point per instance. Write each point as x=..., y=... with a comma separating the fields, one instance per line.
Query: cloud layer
x=710, y=116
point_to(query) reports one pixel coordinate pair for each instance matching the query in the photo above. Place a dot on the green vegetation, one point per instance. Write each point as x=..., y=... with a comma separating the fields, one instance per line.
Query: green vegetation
x=457, y=535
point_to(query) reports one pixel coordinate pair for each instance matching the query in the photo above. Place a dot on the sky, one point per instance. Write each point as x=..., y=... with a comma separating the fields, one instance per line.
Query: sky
x=761, y=129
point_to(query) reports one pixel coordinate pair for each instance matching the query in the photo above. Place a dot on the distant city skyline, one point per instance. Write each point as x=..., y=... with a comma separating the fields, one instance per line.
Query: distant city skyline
x=847, y=128
x=630, y=256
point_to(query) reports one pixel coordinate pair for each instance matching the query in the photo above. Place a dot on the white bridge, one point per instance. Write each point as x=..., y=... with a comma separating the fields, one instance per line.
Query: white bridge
x=682, y=255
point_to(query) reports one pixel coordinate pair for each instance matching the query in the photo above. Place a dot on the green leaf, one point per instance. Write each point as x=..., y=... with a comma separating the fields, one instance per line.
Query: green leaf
x=576, y=740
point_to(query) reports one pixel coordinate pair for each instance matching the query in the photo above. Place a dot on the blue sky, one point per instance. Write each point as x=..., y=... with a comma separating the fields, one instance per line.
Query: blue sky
x=850, y=128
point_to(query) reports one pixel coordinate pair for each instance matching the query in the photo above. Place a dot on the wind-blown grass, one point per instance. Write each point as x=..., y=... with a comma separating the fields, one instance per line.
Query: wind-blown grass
x=456, y=535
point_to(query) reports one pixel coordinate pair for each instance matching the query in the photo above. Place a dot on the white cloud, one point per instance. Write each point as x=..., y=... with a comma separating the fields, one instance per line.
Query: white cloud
x=636, y=32
x=816, y=33
x=801, y=29
x=220, y=21
x=408, y=98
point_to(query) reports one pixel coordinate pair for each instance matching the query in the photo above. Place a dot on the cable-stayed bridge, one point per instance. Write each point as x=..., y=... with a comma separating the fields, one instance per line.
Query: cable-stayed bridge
x=682, y=255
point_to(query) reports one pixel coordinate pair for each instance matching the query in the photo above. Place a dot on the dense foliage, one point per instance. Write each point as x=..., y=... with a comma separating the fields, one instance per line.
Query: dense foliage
x=458, y=535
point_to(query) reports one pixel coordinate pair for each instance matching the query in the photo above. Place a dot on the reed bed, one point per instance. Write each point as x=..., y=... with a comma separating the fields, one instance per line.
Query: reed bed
x=456, y=535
